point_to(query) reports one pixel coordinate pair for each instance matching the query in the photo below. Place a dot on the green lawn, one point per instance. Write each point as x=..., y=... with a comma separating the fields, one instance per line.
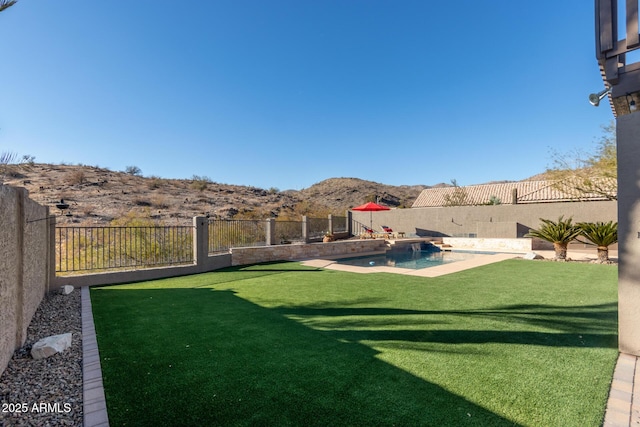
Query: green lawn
x=513, y=343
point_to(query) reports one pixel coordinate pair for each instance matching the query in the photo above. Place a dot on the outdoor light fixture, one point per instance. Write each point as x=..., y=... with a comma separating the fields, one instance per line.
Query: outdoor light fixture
x=595, y=98
x=631, y=103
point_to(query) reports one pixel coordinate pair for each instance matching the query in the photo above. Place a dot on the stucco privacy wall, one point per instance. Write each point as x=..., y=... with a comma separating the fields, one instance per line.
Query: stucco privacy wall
x=24, y=257
x=485, y=221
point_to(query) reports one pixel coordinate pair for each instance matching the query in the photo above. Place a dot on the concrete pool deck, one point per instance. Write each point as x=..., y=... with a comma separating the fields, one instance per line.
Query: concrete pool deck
x=479, y=259
x=439, y=270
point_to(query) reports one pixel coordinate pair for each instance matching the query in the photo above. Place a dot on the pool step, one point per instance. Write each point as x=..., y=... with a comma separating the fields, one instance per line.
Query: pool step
x=443, y=246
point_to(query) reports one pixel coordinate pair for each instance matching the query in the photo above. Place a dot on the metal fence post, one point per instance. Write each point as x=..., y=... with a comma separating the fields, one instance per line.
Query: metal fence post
x=330, y=224
x=349, y=222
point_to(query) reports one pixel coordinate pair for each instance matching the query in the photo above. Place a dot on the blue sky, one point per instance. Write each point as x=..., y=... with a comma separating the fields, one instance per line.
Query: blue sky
x=287, y=93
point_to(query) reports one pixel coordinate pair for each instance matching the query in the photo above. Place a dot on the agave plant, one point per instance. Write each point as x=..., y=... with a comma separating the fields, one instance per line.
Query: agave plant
x=602, y=235
x=559, y=233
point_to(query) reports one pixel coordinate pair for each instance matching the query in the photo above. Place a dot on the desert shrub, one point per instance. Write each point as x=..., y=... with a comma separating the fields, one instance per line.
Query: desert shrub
x=200, y=183
x=139, y=201
x=28, y=160
x=133, y=218
x=154, y=182
x=494, y=200
x=133, y=170
x=159, y=201
x=88, y=210
x=76, y=177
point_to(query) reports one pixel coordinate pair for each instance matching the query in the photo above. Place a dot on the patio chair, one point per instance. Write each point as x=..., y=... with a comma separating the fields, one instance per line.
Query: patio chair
x=387, y=231
x=368, y=232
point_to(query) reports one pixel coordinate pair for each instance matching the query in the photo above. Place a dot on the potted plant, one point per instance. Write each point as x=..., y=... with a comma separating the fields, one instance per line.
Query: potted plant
x=328, y=237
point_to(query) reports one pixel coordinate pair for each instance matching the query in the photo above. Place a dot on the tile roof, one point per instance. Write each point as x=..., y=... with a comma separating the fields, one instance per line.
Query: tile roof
x=526, y=192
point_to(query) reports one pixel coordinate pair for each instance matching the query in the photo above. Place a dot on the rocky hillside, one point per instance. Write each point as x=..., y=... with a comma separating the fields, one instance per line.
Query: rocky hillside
x=100, y=196
x=340, y=194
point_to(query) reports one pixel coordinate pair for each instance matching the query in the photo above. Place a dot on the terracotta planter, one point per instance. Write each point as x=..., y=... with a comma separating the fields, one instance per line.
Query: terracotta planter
x=326, y=239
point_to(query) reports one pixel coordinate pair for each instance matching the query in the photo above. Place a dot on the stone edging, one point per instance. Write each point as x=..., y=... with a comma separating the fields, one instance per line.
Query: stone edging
x=622, y=406
x=94, y=403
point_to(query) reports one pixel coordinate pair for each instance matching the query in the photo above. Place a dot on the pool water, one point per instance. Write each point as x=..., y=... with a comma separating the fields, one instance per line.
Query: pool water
x=407, y=259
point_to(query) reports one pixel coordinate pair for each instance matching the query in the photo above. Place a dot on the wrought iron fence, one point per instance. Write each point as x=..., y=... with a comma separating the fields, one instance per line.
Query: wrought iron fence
x=339, y=224
x=288, y=232
x=317, y=227
x=226, y=234
x=99, y=248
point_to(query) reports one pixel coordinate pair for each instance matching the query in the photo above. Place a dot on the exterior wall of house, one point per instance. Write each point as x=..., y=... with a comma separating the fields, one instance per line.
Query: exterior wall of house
x=494, y=221
x=24, y=269
x=628, y=135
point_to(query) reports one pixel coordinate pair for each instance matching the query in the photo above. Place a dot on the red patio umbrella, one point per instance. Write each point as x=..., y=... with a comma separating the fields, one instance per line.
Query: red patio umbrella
x=370, y=207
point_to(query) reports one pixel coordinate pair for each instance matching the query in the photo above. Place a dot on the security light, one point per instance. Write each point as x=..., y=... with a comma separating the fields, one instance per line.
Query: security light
x=595, y=98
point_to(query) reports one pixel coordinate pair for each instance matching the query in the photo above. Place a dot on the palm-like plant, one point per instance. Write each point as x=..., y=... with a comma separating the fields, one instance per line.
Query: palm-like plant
x=602, y=235
x=559, y=233
x=5, y=4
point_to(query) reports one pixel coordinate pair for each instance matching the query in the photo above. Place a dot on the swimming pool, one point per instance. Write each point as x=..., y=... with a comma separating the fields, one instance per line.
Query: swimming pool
x=414, y=260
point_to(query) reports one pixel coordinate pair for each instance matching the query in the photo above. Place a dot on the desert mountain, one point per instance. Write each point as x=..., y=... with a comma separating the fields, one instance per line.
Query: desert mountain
x=99, y=196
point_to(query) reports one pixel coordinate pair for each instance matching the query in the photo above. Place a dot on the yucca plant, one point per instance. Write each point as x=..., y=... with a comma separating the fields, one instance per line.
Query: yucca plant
x=600, y=234
x=559, y=233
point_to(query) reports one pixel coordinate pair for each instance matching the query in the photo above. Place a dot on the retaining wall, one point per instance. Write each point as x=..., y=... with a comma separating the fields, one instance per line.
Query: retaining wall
x=253, y=255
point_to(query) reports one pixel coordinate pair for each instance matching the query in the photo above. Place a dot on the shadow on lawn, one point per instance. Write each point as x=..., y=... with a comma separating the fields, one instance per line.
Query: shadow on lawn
x=207, y=357
x=579, y=326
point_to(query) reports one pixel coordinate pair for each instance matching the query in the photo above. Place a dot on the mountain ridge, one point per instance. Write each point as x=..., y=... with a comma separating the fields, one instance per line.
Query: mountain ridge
x=101, y=196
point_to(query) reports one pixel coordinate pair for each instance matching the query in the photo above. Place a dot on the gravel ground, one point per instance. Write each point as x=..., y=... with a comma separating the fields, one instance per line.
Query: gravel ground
x=46, y=392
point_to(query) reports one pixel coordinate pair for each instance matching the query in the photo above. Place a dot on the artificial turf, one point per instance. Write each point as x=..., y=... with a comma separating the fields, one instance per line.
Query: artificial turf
x=513, y=343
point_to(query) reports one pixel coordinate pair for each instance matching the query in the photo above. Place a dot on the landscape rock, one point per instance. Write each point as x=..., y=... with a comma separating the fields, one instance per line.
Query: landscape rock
x=51, y=380
x=533, y=255
x=51, y=345
x=67, y=289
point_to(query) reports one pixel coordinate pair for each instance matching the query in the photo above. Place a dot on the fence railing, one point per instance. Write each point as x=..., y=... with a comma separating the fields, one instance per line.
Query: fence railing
x=226, y=234
x=99, y=248
x=339, y=224
x=317, y=227
x=128, y=247
x=358, y=227
x=288, y=232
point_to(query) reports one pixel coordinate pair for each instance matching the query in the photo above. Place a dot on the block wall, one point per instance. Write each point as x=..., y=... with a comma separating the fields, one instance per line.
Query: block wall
x=24, y=272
